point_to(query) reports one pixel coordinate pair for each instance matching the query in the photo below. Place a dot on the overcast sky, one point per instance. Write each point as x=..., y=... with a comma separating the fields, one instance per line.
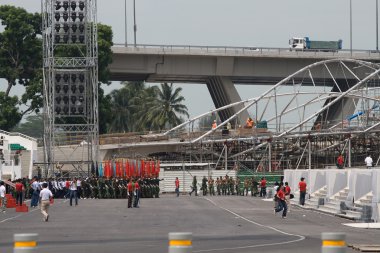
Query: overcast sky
x=264, y=23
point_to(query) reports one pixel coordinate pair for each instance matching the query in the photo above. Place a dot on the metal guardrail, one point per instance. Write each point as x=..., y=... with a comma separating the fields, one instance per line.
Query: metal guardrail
x=343, y=53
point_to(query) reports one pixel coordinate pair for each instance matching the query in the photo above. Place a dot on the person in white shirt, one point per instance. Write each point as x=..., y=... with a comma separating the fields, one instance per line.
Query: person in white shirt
x=368, y=160
x=73, y=192
x=2, y=196
x=79, y=188
x=45, y=196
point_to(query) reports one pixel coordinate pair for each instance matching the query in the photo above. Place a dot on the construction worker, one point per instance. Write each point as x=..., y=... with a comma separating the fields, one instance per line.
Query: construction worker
x=214, y=125
x=249, y=123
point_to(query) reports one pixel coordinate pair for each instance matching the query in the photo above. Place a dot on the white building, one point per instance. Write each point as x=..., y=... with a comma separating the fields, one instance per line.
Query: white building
x=17, y=154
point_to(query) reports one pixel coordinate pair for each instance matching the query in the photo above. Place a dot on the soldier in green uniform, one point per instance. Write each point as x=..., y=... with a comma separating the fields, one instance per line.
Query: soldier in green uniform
x=224, y=186
x=237, y=186
x=194, y=186
x=228, y=185
x=231, y=185
x=254, y=187
x=246, y=186
x=156, y=187
x=218, y=185
x=211, y=186
x=101, y=188
x=204, y=186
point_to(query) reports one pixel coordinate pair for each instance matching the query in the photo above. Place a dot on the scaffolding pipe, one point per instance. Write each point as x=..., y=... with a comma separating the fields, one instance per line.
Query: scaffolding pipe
x=309, y=145
x=299, y=161
x=349, y=153
x=270, y=156
x=225, y=156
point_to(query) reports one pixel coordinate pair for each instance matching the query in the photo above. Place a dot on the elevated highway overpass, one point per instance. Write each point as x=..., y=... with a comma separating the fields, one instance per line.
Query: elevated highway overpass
x=222, y=67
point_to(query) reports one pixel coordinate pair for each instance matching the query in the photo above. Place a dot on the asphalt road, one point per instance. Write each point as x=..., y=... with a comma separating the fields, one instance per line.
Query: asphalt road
x=219, y=224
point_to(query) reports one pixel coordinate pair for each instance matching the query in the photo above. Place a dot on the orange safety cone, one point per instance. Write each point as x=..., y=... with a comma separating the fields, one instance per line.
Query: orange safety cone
x=22, y=209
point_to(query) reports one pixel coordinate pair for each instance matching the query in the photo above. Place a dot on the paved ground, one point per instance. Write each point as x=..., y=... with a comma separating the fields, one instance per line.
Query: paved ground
x=219, y=224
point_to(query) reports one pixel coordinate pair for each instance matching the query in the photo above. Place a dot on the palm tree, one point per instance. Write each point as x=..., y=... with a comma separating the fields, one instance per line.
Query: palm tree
x=164, y=110
x=123, y=107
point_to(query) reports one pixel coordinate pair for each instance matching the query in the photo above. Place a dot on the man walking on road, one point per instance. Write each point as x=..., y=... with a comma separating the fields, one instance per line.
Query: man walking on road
x=302, y=187
x=177, y=186
x=194, y=186
x=282, y=206
x=45, y=196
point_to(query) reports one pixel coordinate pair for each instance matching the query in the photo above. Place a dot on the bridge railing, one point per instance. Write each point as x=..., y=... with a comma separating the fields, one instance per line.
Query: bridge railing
x=227, y=50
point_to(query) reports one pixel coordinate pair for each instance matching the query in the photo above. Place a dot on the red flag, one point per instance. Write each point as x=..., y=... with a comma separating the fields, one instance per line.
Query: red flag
x=153, y=171
x=128, y=168
x=158, y=168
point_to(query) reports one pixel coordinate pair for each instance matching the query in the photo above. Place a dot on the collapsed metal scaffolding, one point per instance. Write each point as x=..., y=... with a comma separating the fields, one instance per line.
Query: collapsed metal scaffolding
x=308, y=121
x=70, y=78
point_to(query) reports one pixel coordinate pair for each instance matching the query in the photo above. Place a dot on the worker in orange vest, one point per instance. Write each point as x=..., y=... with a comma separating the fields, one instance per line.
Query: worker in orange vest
x=214, y=125
x=249, y=123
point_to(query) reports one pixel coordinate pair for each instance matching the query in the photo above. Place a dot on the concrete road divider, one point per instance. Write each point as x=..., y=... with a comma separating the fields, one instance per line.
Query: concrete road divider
x=25, y=243
x=180, y=242
x=333, y=243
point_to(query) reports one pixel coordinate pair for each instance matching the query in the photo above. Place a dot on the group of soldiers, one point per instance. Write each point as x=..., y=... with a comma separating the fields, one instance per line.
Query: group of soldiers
x=116, y=188
x=98, y=188
x=227, y=186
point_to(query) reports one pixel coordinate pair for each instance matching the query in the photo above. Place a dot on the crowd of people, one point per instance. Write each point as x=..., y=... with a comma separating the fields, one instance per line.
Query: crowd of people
x=223, y=186
x=42, y=191
x=76, y=188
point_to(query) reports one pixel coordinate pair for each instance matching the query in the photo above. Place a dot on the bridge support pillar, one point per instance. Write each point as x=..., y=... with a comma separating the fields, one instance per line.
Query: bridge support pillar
x=223, y=92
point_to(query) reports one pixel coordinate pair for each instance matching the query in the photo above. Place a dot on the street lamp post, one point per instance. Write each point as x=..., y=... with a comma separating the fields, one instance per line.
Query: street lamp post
x=125, y=24
x=351, y=27
x=134, y=20
x=377, y=25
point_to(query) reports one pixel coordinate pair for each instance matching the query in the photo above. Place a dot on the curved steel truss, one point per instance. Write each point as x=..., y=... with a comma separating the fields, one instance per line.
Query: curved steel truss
x=322, y=108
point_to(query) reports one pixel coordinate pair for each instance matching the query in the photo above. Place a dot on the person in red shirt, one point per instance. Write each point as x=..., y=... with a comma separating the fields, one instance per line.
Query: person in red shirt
x=302, y=187
x=263, y=187
x=340, y=161
x=287, y=194
x=137, y=194
x=177, y=186
x=19, y=192
x=130, y=193
x=282, y=206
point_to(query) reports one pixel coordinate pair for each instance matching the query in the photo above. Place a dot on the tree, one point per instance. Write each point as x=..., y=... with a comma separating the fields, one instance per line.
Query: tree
x=21, y=63
x=20, y=46
x=33, y=126
x=9, y=114
x=124, y=109
x=165, y=109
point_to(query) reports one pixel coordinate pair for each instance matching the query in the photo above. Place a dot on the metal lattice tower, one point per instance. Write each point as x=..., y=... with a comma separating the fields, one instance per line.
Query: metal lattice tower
x=70, y=75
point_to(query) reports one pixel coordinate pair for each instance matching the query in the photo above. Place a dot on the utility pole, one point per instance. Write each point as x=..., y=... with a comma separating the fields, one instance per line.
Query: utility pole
x=351, y=27
x=125, y=24
x=134, y=20
x=377, y=25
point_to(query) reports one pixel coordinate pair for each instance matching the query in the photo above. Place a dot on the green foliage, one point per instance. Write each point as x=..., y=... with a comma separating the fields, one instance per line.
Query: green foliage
x=105, y=43
x=124, y=107
x=21, y=64
x=165, y=109
x=20, y=46
x=9, y=114
x=33, y=126
x=138, y=108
